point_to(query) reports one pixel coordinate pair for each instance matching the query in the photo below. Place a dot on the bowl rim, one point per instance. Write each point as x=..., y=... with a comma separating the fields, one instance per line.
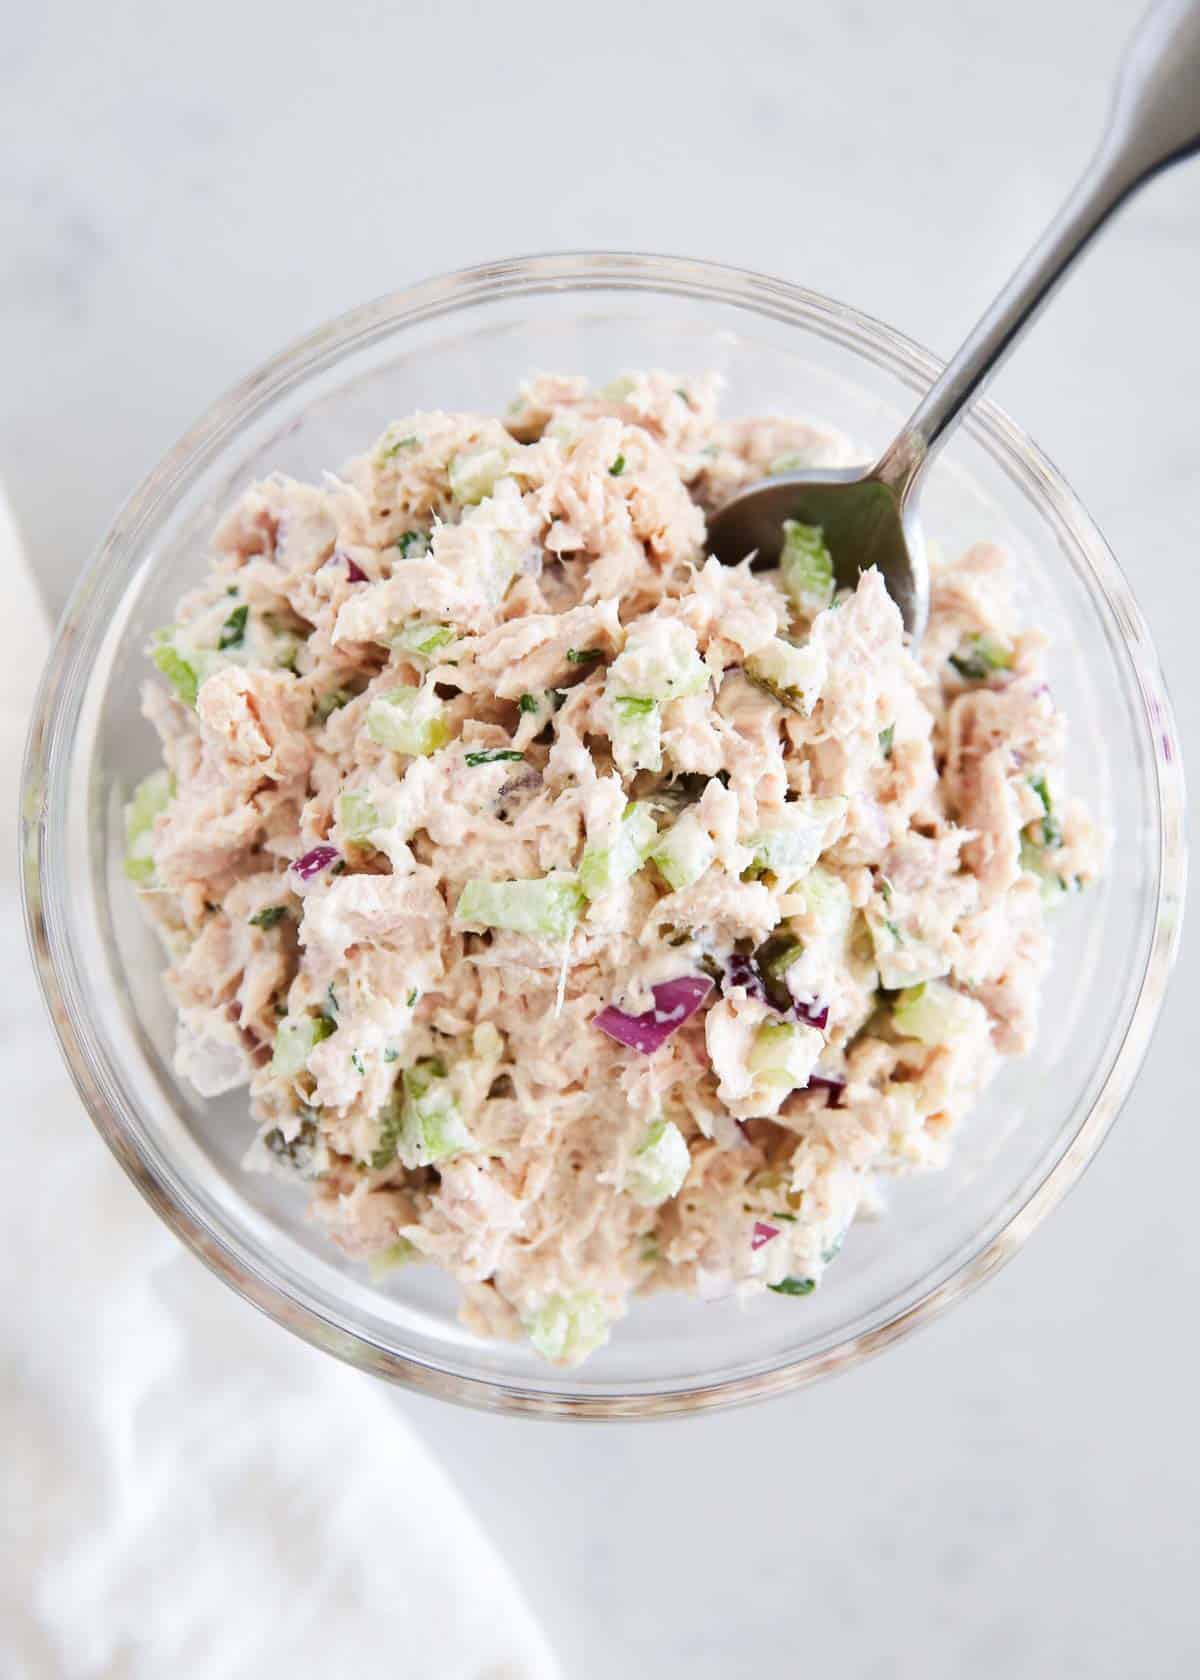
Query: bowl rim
x=580, y=272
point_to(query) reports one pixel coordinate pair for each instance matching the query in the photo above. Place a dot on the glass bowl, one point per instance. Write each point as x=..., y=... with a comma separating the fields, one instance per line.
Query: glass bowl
x=464, y=341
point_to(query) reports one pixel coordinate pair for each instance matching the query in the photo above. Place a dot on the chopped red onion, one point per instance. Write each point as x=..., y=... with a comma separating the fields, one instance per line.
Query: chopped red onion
x=740, y=971
x=314, y=861
x=763, y=1234
x=743, y=971
x=828, y=1082
x=674, y=1001
x=354, y=572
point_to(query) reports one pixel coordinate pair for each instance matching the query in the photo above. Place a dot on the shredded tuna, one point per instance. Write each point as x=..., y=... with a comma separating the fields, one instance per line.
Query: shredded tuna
x=472, y=747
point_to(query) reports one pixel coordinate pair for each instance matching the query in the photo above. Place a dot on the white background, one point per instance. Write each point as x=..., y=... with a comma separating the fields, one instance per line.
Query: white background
x=183, y=189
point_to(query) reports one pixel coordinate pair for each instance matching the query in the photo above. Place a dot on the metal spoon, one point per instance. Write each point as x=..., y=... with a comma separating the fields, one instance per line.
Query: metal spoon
x=869, y=517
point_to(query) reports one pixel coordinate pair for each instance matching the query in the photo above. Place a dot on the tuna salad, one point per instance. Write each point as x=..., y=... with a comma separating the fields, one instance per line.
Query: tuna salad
x=581, y=915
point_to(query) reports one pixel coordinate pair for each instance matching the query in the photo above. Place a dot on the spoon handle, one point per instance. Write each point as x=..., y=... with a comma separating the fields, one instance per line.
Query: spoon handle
x=1154, y=121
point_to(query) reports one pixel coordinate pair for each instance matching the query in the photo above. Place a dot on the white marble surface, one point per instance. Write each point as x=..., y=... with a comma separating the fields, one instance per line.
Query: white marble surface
x=183, y=189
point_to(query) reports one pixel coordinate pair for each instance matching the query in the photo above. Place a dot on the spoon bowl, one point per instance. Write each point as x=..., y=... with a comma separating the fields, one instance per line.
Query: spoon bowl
x=864, y=521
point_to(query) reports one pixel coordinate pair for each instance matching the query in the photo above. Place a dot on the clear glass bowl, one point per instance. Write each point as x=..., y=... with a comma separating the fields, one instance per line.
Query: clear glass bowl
x=465, y=341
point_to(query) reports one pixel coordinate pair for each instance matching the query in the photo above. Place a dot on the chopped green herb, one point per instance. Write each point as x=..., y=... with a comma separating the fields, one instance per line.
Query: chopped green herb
x=584, y=656
x=411, y=998
x=356, y=1062
x=617, y=468
x=790, y=1217
x=634, y=705
x=794, y=1286
x=412, y=544
x=270, y=917
x=332, y=996
x=1051, y=827
x=494, y=755
x=885, y=887
x=886, y=737
x=682, y=395
x=391, y=1055
x=892, y=929
x=528, y=703
x=233, y=631
x=979, y=656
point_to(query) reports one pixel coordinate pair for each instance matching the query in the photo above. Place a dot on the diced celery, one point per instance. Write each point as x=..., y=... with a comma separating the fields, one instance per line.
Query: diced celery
x=794, y=674
x=619, y=389
x=358, y=815
x=660, y=661
x=473, y=476
x=179, y=672
x=827, y=899
x=151, y=796
x=1036, y=860
x=565, y=427
x=659, y=1165
x=566, y=1328
x=295, y=1041
x=544, y=908
x=684, y=852
x=802, y=831
x=806, y=566
x=423, y=638
x=391, y=445
x=902, y=957
x=783, y=1054
x=935, y=1013
x=432, y=1127
x=401, y=1253
x=636, y=737
x=408, y=720
x=604, y=867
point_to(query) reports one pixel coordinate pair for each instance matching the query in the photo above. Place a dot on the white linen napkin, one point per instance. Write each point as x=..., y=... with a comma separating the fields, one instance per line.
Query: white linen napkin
x=189, y=1491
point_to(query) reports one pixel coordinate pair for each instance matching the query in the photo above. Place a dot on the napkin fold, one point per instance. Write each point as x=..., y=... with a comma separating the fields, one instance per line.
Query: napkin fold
x=188, y=1490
